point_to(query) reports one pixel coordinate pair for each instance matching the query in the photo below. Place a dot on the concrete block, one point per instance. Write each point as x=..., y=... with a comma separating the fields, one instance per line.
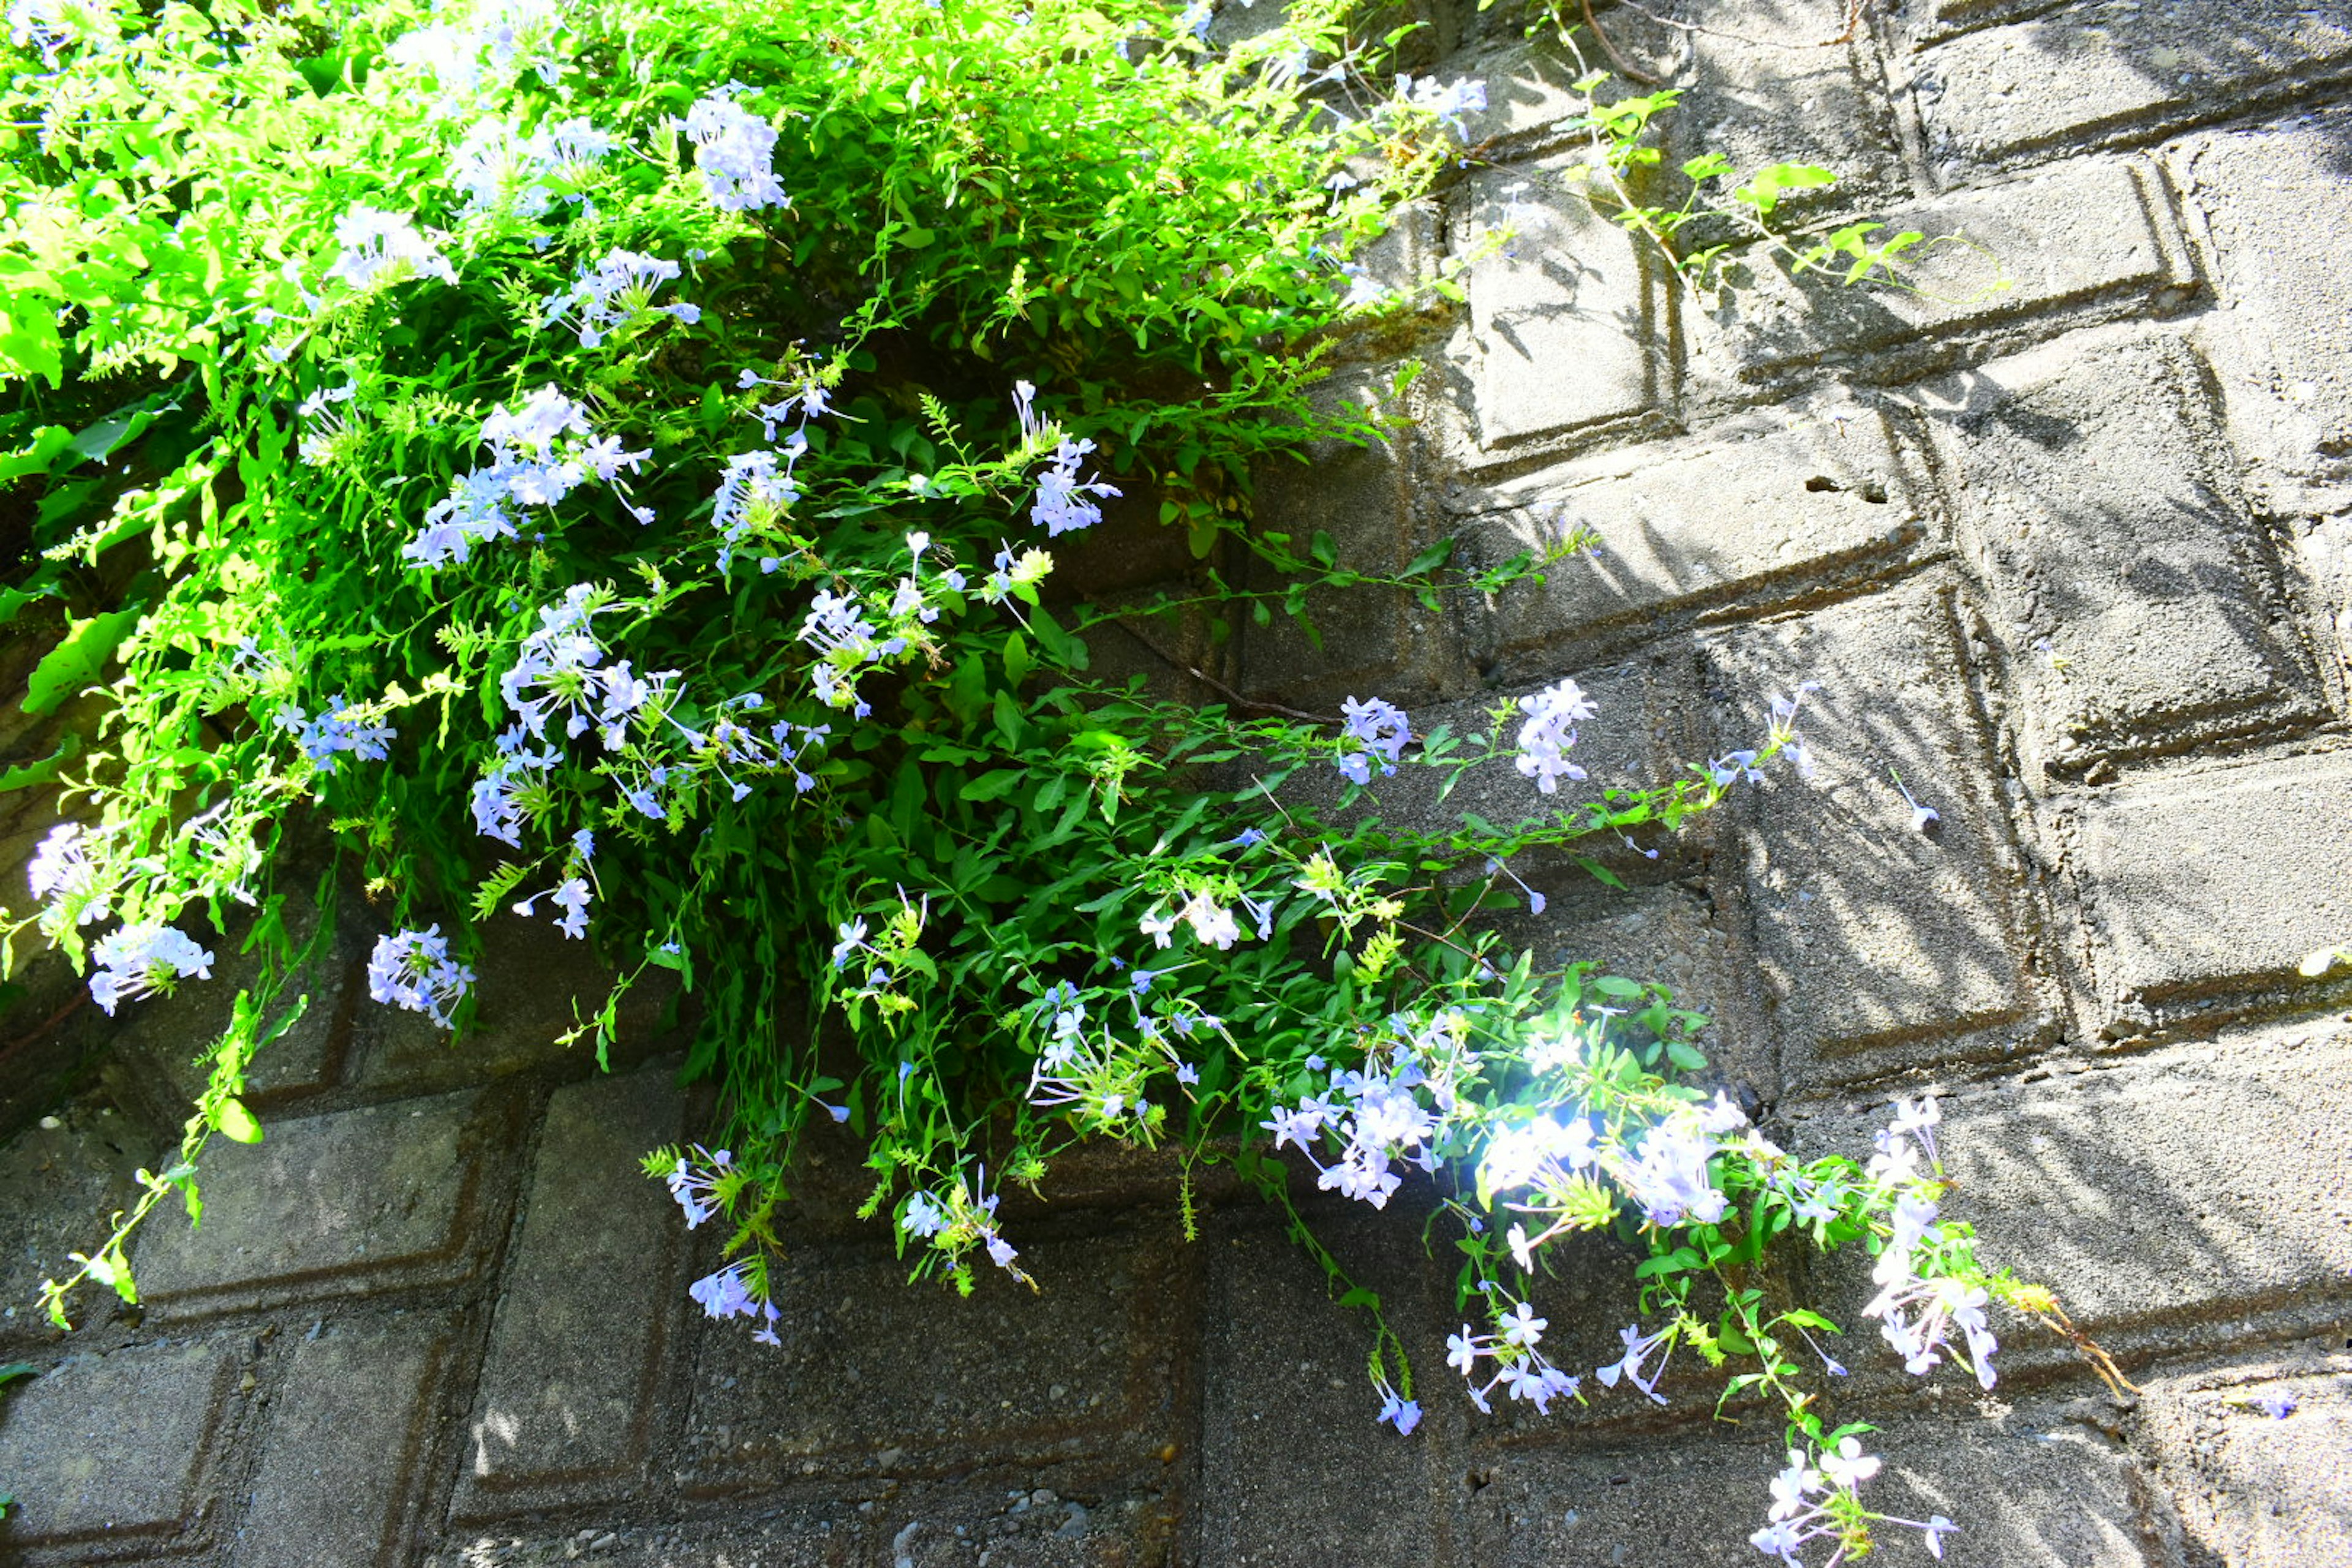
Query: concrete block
x=1882, y=945
x=1740, y=517
x=2147, y=1193
x=1755, y=93
x=2138, y=606
x=2253, y=1459
x=2088, y=74
x=2029, y=1488
x=2219, y=879
x=354, y=1201
x=1564, y=316
x=351, y=1434
x=1083, y=1370
x=534, y=987
x=2284, y=347
x=2083, y=233
x=584, y=1325
x=65, y=1183
x=1293, y=1468
x=114, y=1449
x=835, y=1537
x=1363, y=498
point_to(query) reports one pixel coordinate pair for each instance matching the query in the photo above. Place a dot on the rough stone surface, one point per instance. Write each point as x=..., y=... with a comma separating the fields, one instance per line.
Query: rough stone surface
x=1567, y=288
x=62, y=1181
x=347, y=1434
x=2147, y=1193
x=1880, y=941
x=1729, y=520
x=2176, y=865
x=2265, y=198
x=2093, y=233
x=2036, y=1490
x=333, y=1205
x=568, y=1385
x=113, y=1448
x=2096, y=72
x=1081, y=1367
x=2254, y=1454
x=2136, y=604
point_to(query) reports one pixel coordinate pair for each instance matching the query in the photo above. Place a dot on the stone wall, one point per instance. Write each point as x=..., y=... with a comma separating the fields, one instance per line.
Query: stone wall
x=2066, y=538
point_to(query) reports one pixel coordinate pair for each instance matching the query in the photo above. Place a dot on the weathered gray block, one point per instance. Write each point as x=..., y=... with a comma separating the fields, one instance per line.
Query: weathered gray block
x=330, y=1205
x=1080, y=1371
x=1669, y=935
x=350, y=1433
x=2138, y=606
x=2087, y=74
x=1732, y=517
x=846, y=1542
x=2149, y=1194
x=64, y=1183
x=2272, y=198
x=1363, y=498
x=1563, y=317
x=1293, y=1468
x=2027, y=1487
x=1756, y=94
x=2069, y=236
x=584, y=1328
x=1875, y=938
x=113, y=1448
x=2253, y=1459
x=535, y=986
x=2212, y=880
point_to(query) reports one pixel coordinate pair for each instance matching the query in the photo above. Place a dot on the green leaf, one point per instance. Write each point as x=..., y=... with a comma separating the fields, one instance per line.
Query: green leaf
x=994, y=785
x=45, y=769
x=71, y=665
x=237, y=1122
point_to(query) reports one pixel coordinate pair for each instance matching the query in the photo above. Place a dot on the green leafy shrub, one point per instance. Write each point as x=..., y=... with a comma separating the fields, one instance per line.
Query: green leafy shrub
x=594, y=461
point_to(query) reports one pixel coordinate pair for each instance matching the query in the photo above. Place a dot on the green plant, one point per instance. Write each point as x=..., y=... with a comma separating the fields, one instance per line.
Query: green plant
x=588, y=482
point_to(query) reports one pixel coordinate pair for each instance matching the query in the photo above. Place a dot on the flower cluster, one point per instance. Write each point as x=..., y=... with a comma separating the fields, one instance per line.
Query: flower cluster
x=495, y=167
x=1549, y=730
x=539, y=453
x=570, y=895
x=336, y=729
x=1521, y=1370
x=728, y=1293
x=1064, y=505
x=63, y=877
x=412, y=970
x=953, y=1219
x=138, y=960
x=615, y=290
x=1379, y=729
x=1446, y=102
x=735, y=151
x=1919, y=1308
x=378, y=244
x=1812, y=1502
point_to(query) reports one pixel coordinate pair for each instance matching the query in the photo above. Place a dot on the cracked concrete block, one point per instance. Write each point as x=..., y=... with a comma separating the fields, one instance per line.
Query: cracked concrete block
x=2085, y=232
x=1880, y=941
x=2219, y=879
x=2138, y=606
x=350, y=1434
x=2087, y=74
x=114, y=1449
x=583, y=1331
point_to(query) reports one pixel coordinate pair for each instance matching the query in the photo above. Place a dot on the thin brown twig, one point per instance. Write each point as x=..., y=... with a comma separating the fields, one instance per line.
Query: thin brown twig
x=1625, y=68
x=1219, y=687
